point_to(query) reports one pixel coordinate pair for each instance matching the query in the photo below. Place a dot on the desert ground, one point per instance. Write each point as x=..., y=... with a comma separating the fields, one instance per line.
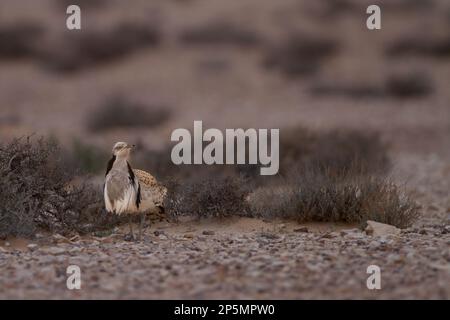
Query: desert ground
x=227, y=85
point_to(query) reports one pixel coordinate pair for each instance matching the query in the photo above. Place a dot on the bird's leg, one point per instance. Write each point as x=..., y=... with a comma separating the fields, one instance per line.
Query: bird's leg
x=141, y=224
x=130, y=236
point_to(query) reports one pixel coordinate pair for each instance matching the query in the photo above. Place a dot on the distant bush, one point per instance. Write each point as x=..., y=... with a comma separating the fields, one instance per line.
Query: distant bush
x=19, y=41
x=299, y=55
x=398, y=86
x=412, y=85
x=88, y=49
x=345, y=196
x=118, y=112
x=219, y=34
x=336, y=150
x=420, y=46
x=348, y=90
x=38, y=192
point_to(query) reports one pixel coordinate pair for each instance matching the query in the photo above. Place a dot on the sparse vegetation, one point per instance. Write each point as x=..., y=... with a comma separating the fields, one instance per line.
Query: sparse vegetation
x=352, y=90
x=309, y=195
x=118, y=112
x=88, y=49
x=336, y=176
x=300, y=55
x=18, y=42
x=38, y=192
x=221, y=197
x=336, y=150
x=420, y=46
x=338, y=181
x=397, y=86
x=219, y=34
x=345, y=196
x=412, y=85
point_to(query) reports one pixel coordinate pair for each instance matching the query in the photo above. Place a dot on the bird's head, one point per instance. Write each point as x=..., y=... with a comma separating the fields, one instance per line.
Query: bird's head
x=122, y=149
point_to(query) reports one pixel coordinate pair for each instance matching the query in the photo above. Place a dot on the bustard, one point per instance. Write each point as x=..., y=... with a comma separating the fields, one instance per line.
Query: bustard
x=130, y=191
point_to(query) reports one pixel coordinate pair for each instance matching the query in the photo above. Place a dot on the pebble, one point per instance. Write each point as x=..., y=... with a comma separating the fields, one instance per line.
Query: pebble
x=32, y=246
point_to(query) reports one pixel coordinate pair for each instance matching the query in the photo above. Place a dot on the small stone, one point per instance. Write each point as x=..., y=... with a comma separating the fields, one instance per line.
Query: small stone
x=162, y=236
x=423, y=231
x=208, y=233
x=60, y=239
x=380, y=229
x=32, y=246
x=329, y=235
x=188, y=235
x=54, y=251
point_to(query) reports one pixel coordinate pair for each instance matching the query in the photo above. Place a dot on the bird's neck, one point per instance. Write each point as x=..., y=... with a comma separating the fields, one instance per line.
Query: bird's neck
x=121, y=163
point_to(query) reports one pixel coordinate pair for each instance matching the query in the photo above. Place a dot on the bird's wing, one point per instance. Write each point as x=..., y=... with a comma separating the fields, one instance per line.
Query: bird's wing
x=152, y=192
x=145, y=178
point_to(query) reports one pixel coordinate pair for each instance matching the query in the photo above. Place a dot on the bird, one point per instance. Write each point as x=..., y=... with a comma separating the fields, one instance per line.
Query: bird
x=129, y=191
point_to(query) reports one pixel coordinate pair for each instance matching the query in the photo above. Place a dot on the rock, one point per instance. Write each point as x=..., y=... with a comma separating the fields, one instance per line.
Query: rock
x=54, y=251
x=208, y=233
x=32, y=246
x=380, y=229
x=158, y=232
x=329, y=235
x=302, y=229
x=60, y=239
x=162, y=236
x=188, y=235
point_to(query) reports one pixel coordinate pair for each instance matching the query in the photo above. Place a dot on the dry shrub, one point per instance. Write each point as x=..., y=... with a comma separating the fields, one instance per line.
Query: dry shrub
x=420, y=46
x=87, y=49
x=220, y=197
x=219, y=33
x=19, y=41
x=353, y=91
x=337, y=150
x=300, y=55
x=118, y=112
x=398, y=86
x=38, y=192
x=410, y=85
x=346, y=196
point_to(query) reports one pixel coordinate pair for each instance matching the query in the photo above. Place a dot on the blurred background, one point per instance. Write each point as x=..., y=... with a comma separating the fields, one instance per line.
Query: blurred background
x=140, y=69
